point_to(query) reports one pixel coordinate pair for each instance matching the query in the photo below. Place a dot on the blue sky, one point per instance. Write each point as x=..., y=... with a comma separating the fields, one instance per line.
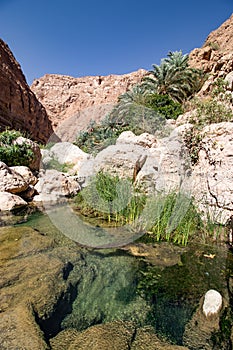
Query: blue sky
x=100, y=37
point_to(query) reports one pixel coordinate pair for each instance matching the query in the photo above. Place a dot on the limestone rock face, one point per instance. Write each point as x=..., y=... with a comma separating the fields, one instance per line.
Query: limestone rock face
x=211, y=181
x=65, y=96
x=19, y=107
x=215, y=57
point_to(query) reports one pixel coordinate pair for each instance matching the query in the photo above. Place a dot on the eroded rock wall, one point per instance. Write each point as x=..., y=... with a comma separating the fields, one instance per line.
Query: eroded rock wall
x=19, y=107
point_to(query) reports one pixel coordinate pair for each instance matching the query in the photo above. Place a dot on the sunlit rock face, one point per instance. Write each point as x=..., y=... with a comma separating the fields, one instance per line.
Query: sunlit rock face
x=19, y=107
x=215, y=56
x=85, y=98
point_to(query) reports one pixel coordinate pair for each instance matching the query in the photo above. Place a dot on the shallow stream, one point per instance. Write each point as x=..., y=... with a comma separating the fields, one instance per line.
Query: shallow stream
x=160, y=285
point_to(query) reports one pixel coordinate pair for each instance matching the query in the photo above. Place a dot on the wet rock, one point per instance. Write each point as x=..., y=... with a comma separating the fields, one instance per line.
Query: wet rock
x=162, y=254
x=32, y=285
x=18, y=330
x=146, y=339
x=116, y=335
x=200, y=329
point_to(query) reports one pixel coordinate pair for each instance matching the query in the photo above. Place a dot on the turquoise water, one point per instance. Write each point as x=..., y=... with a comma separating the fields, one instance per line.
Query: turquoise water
x=114, y=285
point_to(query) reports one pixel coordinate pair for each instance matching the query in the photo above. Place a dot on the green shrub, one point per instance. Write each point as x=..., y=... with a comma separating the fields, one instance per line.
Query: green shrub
x=14, y=154
x=164, y=105
x=54, y=164
x=215, y=109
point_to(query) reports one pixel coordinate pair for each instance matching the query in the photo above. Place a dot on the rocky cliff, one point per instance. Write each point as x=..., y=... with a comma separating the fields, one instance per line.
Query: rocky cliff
x=65, y=96
x=19, y=107
x=216, y=56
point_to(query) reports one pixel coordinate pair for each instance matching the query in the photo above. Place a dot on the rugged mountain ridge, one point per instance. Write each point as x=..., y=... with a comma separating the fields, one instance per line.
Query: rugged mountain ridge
x=215, y=57
x=19, y=107
x=65, y=96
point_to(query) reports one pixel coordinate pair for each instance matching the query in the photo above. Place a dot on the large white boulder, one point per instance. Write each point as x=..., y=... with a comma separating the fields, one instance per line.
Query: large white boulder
x=9, y=201
x=212, y=303
x=65, y=153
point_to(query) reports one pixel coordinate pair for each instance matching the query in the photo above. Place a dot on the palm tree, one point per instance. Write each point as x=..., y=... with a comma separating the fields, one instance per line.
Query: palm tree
x=133, y=110
x=174, y=77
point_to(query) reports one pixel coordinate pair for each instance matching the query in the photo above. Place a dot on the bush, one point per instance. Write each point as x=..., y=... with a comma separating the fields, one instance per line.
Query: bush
x=215, y=109
x=13, y=154
x=164, y=105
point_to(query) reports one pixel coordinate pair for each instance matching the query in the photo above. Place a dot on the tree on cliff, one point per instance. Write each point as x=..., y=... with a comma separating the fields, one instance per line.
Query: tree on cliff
x=174, y=77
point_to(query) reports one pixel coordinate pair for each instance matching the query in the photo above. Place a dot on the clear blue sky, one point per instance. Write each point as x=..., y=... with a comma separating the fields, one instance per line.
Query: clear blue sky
x=100, y=37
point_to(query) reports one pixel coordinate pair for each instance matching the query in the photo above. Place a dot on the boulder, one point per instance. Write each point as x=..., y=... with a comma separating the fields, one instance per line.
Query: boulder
x=9, y=201
x=54, y=185
x=212, y=303
x=26, y=173
x=204, y=324
x=10, y=180
x=65, y=153
x=155, y=164
x=145, y=140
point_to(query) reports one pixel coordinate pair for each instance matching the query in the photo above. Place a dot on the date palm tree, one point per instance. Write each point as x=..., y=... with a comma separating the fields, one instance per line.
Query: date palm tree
x=174, y=77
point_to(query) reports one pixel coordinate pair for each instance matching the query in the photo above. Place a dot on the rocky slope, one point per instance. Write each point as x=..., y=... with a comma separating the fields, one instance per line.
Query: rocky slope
x=65, y=96
x=216, y=56
x=19, y=107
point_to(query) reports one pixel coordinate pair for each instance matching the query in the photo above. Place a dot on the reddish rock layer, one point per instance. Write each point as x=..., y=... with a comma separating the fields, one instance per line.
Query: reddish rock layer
x=216, y=55
x=65, y=96
x=19, y=107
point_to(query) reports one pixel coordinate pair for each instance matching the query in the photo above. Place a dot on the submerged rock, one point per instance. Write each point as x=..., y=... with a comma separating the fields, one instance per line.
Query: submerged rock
x=115, y=335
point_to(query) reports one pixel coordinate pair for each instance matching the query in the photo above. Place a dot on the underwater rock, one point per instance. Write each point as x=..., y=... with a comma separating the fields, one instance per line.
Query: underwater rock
x=115, y=335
